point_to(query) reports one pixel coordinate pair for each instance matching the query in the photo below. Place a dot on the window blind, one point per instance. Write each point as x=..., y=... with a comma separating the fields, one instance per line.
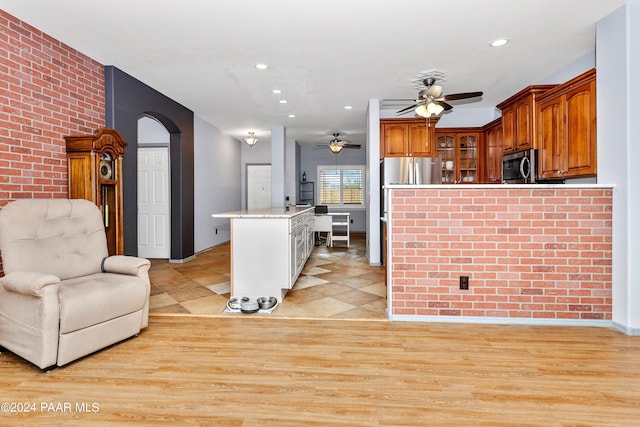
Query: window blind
x=342, y=185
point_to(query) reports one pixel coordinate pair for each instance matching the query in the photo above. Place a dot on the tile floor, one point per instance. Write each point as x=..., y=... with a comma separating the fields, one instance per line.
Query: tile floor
x=336, y=282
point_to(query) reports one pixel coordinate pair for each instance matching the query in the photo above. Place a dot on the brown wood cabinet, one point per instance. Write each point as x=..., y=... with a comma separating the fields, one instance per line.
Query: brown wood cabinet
x=461, y=151
x=95, y=174
x=519, y=118
x=494, y=151
x=407, y=138
x=567, y=129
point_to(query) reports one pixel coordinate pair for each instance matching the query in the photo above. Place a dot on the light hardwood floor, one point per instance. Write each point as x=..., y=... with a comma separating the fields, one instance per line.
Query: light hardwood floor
x=270, y=371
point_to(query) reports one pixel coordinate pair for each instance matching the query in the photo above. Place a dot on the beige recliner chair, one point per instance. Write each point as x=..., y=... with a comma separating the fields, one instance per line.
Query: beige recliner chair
x=62, y=296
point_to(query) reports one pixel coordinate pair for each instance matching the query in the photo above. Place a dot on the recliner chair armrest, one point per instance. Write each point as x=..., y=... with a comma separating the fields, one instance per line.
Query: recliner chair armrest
x=29, y=282
x=124, y=264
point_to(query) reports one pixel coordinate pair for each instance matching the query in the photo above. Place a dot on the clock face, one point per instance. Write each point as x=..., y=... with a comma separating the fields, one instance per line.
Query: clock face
x=106, y=166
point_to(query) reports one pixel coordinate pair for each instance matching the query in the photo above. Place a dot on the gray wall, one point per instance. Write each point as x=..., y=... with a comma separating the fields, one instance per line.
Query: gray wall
x=128, y=99
x=217, y=186
x=311, y=157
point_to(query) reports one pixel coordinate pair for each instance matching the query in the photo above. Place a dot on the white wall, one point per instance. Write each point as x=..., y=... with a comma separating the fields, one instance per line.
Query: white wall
x=259, y=154
x=152, y=132
x=292, y=175
x=217, y=183
x=373, y=225
x=577, y=67
x=278, y=165
x=618, y=65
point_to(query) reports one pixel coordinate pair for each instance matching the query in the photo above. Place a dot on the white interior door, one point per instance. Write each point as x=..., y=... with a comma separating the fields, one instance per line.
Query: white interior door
x=154, y=222
x=258, y=186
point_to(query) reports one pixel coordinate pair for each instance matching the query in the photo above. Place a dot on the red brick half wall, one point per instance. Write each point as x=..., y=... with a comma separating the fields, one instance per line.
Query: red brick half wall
x=529, y=252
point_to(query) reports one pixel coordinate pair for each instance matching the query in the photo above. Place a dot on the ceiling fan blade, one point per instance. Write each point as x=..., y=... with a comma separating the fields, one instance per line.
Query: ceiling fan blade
x=357, y=146
x=444, y=105
x=404, y=110
x=465, y=95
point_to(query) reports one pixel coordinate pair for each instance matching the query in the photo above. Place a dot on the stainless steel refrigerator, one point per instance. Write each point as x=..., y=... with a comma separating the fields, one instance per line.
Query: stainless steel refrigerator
x=411, y=170
x=406, y=171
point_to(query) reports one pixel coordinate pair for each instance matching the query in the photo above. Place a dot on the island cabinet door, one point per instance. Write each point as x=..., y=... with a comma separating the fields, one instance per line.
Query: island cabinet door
x=260, y=256
x=311, y=241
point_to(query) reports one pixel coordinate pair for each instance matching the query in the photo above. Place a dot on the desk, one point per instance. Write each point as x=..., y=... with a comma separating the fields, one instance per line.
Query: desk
x=329, y=222
x=322, y=223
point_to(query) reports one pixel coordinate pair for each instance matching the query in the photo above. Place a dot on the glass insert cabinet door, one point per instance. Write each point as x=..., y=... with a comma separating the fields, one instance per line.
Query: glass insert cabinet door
x=468, y=158
x=447, y=152
x=459, y=154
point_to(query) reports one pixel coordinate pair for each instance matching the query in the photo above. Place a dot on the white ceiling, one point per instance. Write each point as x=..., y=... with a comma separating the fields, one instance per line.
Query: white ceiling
x=323, y=55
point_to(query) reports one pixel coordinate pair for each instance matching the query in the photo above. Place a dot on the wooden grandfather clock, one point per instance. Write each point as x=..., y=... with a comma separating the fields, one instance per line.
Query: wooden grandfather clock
x=95, y=174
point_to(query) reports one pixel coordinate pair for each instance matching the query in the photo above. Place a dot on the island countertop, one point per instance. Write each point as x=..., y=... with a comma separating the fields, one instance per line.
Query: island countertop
x=273, y=212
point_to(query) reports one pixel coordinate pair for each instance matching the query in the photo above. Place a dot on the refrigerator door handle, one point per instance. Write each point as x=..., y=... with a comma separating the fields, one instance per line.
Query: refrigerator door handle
x=418, y=174
x=411, y=173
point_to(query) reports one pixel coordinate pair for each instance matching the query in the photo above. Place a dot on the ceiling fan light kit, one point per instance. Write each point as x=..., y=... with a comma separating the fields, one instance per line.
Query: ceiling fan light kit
x=431, y=109
x=335, y=147
x=337, y=144
x=431, y=101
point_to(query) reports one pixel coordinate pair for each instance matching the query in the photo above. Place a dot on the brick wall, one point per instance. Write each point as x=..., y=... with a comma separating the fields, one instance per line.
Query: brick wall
x=47, y=90
x=539, y=253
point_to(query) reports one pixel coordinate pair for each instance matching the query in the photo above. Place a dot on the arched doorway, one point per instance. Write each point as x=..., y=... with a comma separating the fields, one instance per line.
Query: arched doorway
x=154, y=194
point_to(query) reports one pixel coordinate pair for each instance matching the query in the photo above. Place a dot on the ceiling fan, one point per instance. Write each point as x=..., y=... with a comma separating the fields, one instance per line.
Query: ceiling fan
x=337, y=144
x=431, y=102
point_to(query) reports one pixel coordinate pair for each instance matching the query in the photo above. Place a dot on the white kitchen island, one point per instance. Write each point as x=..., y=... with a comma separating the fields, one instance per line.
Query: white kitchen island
x=269, y=248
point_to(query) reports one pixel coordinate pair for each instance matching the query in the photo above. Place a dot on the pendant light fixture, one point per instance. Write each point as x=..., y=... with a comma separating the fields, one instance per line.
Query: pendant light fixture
x=251, y=140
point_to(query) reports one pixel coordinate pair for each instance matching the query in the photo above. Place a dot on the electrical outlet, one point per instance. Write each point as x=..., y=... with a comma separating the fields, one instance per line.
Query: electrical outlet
x=464, y=283
x=351, y=221
x=216, y=231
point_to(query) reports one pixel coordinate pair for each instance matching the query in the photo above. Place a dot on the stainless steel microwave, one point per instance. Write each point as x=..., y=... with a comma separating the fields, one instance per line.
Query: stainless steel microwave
x=520, y=167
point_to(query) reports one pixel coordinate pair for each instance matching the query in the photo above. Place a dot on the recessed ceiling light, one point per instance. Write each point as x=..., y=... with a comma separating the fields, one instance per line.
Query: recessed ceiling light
x=276, y=91
x=283, y=101
x=348, y=107
x=292, y=115
x=261, y=66
x=499, y=42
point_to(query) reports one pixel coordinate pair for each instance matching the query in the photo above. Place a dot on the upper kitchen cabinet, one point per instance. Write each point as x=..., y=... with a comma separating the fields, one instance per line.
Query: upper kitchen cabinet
x=494, y=151
x=567, y=129
x=519, y=118
x=461, y=152
x=407, y=138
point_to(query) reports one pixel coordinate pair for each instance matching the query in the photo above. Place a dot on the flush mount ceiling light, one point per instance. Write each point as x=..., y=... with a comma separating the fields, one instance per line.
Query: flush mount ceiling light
x=428, y=110
x=292, y=116
x=251, y=140
x=348, y=107
x=261, y=66
x=283, y=101
x=276, y=91
x=499, y=42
